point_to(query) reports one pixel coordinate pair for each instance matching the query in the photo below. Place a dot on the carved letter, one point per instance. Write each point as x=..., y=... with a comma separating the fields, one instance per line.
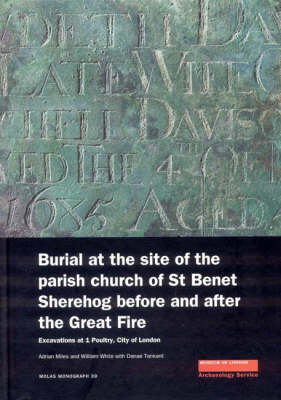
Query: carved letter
x=143, y=118
x=157, y=209
x=48, y=160
x=55, y=81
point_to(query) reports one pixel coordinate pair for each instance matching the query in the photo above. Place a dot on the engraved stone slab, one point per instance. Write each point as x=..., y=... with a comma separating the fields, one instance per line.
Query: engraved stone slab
x=140, y=118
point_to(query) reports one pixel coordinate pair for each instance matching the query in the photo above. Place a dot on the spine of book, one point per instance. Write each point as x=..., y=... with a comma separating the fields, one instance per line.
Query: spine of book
x=4, y=362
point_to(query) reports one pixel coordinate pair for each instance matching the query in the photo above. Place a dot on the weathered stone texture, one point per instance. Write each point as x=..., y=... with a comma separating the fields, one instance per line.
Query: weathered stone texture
x=140, y=117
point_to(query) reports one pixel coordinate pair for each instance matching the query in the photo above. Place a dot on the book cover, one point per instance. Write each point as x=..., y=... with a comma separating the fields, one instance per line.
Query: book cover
x=140, y=199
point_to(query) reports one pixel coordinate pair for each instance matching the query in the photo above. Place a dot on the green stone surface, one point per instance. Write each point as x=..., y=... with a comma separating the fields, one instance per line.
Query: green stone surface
x=140, y=118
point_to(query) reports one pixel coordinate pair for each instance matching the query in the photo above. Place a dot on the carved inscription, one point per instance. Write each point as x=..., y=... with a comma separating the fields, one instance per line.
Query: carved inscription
x=140, y=118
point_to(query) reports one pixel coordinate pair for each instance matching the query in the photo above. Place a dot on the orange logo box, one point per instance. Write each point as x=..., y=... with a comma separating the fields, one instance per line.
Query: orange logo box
x=228, y=365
